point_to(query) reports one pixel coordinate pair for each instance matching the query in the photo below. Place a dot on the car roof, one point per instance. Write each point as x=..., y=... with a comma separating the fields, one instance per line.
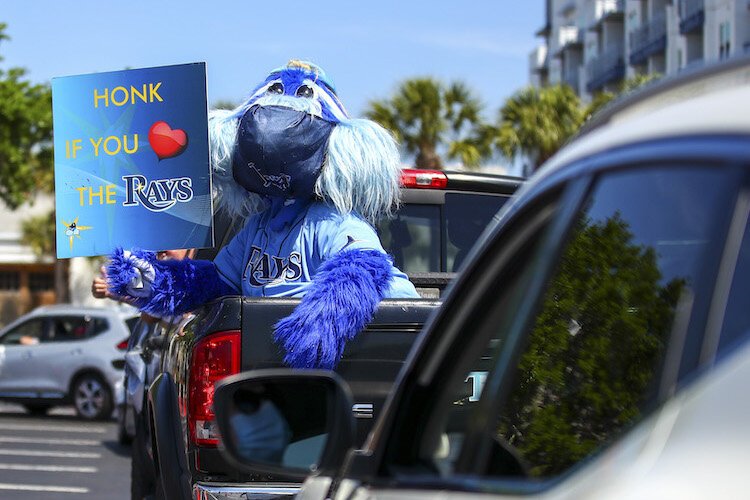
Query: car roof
x=74, y=309
x=714, y=100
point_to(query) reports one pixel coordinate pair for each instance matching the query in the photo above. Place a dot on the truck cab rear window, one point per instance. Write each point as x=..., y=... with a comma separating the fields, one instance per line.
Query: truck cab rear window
x=424, y=238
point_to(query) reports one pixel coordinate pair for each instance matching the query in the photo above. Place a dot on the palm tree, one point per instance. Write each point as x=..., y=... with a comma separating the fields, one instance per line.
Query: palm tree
x=424, y=115
x=536, y=122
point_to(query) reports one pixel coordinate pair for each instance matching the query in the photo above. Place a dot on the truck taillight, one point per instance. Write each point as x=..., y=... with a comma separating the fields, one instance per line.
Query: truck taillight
x=214, y=357
x=429, y=179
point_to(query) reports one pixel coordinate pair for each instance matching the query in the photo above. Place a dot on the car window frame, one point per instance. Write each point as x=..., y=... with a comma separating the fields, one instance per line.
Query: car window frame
x=427, y=368
x=712, y=348
x=688, y=324
x=691, y=151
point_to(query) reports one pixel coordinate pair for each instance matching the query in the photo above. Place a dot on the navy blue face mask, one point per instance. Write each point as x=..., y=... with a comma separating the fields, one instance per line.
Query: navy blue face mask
x=280, y=151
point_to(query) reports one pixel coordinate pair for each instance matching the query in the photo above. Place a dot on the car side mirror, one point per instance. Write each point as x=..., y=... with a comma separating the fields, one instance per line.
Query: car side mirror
x=284, y=421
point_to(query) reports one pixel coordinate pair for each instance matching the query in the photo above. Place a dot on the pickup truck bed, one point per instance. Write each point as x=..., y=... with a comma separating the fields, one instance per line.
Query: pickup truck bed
x=442, y=216
x=370, y=364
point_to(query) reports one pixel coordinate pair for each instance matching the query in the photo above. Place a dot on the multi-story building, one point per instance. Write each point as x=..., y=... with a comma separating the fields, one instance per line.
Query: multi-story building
x=593, y=45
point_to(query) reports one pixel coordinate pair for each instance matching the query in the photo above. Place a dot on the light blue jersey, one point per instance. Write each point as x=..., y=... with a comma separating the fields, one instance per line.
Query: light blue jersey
x=262, y=262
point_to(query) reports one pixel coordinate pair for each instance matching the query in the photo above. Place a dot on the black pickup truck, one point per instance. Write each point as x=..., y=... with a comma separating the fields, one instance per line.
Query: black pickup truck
x=442, y=216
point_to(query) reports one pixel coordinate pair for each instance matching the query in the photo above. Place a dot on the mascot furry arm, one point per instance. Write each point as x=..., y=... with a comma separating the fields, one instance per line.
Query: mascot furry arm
x=289, y=151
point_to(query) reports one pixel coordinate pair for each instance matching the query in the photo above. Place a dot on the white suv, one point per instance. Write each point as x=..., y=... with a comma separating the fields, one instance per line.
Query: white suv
x=65, y=354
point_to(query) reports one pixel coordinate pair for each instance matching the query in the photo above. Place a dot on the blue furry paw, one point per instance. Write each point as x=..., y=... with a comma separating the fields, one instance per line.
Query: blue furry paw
x=131, y=274
x=340, y=302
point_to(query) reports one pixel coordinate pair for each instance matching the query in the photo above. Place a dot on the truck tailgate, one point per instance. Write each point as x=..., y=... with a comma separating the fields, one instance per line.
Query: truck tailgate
x=371, y=361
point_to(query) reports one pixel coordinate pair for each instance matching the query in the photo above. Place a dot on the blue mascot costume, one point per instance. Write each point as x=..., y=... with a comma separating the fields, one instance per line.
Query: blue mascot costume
x=311, y=183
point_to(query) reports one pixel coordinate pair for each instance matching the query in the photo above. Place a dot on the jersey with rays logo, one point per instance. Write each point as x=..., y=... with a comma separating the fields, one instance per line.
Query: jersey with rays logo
x=260, y=261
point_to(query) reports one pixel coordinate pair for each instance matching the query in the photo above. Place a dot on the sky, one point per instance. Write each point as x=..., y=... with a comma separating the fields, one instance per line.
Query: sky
x=366, y=47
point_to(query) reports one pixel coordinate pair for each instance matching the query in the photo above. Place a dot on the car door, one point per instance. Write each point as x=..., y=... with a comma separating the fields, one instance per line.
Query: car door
x=581, y=331
x=62, y=352
x=18, y=369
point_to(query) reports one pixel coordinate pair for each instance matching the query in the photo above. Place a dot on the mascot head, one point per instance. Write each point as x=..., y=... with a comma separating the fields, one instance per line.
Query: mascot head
x=292, y=140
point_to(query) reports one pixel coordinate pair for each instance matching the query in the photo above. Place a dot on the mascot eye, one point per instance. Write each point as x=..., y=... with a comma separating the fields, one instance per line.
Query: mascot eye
x=304, y=91
x=276, y=88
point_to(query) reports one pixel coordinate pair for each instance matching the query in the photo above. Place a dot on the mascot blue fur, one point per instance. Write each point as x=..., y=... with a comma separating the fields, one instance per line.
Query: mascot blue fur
x=311, y=183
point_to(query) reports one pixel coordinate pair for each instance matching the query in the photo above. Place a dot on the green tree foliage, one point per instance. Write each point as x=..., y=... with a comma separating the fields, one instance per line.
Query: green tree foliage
x=224, y=104
x=424, y=115
x=536, y=122
x=25, y=136
x=39, y=234
x=594, y=350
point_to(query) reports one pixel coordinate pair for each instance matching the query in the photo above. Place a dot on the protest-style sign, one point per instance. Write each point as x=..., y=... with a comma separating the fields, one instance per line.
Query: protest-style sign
x=131, y=160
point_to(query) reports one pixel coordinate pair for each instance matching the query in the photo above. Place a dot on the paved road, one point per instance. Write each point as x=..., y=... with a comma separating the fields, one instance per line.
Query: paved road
x=60, y=456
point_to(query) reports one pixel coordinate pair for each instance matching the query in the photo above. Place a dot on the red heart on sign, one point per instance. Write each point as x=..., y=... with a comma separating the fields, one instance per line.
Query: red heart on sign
x=165, y=141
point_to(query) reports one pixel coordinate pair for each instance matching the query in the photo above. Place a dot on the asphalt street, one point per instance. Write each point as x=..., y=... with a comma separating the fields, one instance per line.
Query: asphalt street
x=59, y=456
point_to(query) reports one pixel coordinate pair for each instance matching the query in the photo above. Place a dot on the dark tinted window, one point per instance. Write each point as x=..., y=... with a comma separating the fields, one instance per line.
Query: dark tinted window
x=412, y=238
x=67, y=328
x=590, y=364
x=97, y=326
x=466, y=217
x=420, y=242
x=593, y=359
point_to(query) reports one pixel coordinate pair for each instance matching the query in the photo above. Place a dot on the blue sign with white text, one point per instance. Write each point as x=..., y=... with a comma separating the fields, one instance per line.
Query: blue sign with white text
x=131, y=160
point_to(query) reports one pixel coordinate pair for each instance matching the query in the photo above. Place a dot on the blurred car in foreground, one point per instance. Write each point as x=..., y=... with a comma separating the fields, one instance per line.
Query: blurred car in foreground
x=63, y=354
x=595, y=345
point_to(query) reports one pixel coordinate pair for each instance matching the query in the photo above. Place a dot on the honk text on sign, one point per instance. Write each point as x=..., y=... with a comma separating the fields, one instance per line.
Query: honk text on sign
x=131, y=160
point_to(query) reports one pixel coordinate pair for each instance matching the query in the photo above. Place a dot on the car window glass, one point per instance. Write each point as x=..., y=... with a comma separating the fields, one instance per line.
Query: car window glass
x=589, y=366
x=736, y=325
x=69, y=328
x=131, y=323
x=412, y=237
x=97, y=326
x=28, y=333
x=467, y=215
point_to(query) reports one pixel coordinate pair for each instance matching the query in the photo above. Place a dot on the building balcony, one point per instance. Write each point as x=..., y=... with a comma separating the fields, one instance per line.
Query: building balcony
x=538, y=60
x=544, y=31
x=569, y=37
x=692, y=15
x=607, y=10
x=606, y=68
x=648, y=39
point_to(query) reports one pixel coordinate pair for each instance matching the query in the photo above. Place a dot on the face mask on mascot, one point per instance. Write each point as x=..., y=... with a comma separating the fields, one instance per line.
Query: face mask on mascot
x=280, y=151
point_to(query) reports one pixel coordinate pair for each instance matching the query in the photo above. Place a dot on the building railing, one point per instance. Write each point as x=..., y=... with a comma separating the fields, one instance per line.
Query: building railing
x=606, y=10
x=692, y=15
x=605, y=7
x=606, y=68
x=569, y=35
x=648, y=39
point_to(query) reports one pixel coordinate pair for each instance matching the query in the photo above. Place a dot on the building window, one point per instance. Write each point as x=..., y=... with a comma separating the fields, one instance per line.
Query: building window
x=10, y=280
x=41, y=282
